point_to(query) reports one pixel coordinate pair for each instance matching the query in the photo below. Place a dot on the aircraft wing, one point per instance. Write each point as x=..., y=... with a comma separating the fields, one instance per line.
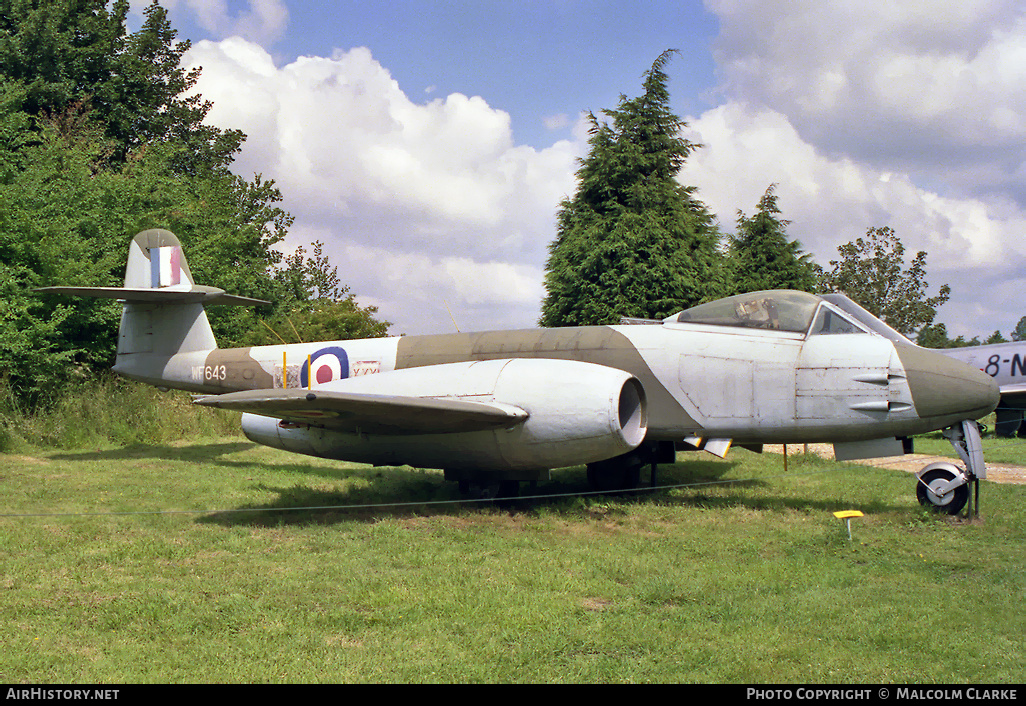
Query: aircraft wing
x=373, y=414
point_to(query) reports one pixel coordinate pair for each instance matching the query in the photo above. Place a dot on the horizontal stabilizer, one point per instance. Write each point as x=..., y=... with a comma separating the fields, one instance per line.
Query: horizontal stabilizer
x=192, y=294
x=373, y=414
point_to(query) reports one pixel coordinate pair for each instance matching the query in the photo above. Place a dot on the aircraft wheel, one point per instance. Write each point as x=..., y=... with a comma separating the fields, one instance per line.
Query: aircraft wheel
x=951, y=502
x=615, y=474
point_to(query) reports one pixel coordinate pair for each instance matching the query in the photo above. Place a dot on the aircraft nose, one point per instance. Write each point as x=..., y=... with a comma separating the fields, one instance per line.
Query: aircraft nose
x=945, y=387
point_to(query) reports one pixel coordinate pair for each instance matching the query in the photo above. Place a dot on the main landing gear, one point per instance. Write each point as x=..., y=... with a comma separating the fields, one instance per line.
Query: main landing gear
x=948, y=488
x=624, y=472
x=617, y=474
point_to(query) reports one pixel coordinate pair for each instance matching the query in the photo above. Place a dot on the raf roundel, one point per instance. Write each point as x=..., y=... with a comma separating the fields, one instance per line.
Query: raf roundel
x=327, y=364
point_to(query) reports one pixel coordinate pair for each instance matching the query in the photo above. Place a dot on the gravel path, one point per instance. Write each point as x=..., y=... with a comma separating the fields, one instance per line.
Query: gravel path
x=913, y=463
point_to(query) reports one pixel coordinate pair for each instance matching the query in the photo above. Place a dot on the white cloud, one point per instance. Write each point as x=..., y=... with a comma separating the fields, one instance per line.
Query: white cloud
x=415, y=202
x=831, y=200
x=921, y=84
x=556, y=122
x=264, y=21
x=910, y=115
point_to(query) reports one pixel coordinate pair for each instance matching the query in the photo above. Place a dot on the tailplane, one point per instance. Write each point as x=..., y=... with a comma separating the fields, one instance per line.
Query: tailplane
x=163, y=307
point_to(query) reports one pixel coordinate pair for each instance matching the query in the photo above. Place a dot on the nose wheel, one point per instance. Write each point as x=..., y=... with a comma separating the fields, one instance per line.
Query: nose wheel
x=943, y=488
x=946, y=487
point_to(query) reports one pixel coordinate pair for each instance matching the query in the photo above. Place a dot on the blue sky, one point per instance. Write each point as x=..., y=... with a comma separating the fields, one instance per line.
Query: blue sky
x=428, y=144
x=534, y=59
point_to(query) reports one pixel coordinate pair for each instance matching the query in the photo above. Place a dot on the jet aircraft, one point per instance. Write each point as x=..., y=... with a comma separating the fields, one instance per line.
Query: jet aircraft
x=503, y=407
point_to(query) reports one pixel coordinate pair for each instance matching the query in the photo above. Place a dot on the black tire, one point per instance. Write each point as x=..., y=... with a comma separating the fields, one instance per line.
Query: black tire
x=952, y=503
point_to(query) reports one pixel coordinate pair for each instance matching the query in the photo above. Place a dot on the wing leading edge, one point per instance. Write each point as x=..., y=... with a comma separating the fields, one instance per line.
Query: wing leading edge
x=372, y=414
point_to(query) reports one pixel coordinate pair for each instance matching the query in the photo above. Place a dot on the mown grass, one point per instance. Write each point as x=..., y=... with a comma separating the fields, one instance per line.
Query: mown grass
x=740, y=573
x=997, y=449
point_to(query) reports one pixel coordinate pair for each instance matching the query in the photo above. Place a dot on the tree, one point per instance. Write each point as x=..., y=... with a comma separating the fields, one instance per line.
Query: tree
x=633, y=241
x=78, y=67
x=873, y=273
x=98, y=141
x=59, y=52
x=760, y=255
x=936, y=336
x=315, y=306
x=1019, y=332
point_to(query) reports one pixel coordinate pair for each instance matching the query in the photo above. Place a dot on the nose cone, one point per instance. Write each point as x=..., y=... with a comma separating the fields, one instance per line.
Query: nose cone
x=944, y=387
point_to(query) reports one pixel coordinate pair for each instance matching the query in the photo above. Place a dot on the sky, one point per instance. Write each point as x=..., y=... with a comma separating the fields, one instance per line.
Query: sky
x=428, y=144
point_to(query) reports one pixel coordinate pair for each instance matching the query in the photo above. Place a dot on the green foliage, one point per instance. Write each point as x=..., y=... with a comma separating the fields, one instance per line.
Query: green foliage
x=762, y=257
x=149, y=101
x=79, y=68
x=315, y=306
x=98, y=141
x=1019, y=332
x=104, y=410
x=936, y=336
x=60, y=52
x=872, y=272
x=633, y=241
x=995, y=337
x=317, y=320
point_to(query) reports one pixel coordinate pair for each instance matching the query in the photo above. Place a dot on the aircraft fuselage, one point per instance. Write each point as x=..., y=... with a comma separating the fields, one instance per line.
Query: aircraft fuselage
x=752, y=386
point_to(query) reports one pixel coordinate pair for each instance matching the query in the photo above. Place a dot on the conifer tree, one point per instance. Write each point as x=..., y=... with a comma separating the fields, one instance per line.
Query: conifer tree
x=633, y=241
x=762, y=257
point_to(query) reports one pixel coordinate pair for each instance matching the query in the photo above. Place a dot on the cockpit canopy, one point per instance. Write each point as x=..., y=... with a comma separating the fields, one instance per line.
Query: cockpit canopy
x=787, y=310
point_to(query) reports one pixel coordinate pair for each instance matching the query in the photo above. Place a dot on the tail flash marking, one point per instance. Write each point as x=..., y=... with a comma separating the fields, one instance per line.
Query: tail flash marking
x=165, y=266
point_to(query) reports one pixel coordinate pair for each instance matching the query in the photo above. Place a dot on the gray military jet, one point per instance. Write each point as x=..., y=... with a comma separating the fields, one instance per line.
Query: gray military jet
x=502, y=407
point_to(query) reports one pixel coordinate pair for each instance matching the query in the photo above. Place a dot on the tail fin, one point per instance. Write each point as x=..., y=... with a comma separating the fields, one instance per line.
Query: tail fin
x=163, y=313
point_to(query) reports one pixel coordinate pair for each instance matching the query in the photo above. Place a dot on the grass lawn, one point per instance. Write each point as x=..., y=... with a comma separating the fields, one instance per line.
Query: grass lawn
x=747, y=581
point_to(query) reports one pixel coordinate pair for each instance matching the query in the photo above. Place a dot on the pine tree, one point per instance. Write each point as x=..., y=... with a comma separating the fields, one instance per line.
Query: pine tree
x=633, y=241
x=761, y=256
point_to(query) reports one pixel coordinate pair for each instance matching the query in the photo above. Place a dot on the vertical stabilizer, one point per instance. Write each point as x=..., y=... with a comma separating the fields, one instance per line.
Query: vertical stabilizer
x=156, y=262
x=163, y=313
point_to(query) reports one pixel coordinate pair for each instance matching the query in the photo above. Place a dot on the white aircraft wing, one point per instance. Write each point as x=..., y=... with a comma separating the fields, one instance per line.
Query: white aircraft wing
x=376, y=414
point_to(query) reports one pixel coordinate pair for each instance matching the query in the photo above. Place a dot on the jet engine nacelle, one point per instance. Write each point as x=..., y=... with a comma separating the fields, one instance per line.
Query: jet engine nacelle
x=576, y=413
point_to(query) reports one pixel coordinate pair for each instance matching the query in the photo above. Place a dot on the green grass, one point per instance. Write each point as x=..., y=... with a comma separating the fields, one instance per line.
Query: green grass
x=110, y=410
x=996, y=449
x=748, y=581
